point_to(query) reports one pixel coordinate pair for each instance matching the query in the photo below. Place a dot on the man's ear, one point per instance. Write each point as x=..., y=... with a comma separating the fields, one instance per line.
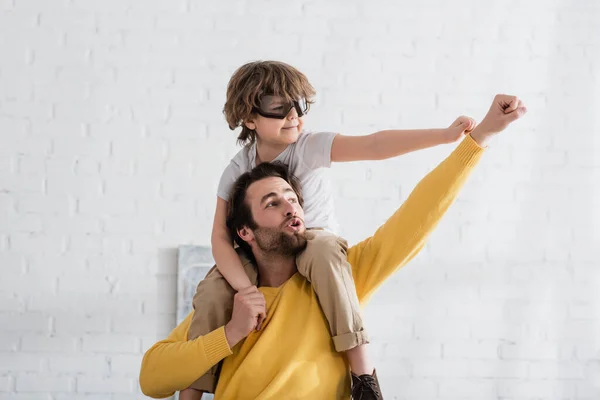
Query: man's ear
x=246, y=234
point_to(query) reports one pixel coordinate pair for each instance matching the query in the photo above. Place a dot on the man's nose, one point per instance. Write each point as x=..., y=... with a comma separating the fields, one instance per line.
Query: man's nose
x=289, y=209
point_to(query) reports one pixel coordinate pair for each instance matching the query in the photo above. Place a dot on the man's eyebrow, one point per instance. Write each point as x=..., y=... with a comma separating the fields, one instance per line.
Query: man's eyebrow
x=271, y=194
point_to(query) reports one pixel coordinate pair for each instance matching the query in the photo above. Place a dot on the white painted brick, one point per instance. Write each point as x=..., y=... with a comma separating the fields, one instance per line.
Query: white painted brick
x=6, y=383
x=84, y=284
x=139, y=325
x=404, y=348
x=556, y=370
x=125, y=364
x=24, y=396
x=17, y=19
x=471, y=349
x=42, y=383
x=9, y=342
x=142, y=187
x=12, y=183
x=13, y=261
x=34, y=147
x=86, y=304
x=63, y=264
x=109, y=343
x=52, y=344
x=15, y=282
x=60, y=184
x=498, y=369
x=474, y=388
x=530, y=351
x=29, y=322
x=536, y=388
x=80, y=396
x=68, y=324
x=42, y=204
x=440, y=368
x=440, y=328
x=26, y=223
x=10, y=303
x=115, y=205
x=20, y=362
x=23, y=243
x=59, y=364
x=94, y=244
x=74, y=224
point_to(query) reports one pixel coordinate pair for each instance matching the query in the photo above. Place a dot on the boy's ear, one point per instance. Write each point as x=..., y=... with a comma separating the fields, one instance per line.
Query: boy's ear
x=246, y=234
x=250, y=124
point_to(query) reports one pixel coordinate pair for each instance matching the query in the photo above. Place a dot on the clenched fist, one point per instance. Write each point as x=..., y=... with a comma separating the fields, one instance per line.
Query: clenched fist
x=504, y=110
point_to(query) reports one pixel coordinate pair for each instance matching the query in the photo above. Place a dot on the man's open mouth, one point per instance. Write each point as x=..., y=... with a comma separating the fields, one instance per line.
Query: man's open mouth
x=295, y=223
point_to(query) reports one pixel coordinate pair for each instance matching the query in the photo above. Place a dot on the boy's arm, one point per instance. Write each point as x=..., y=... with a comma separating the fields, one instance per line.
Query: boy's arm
x=404, y=234
x=175, y=363
x=226, y=258
x=391, y=143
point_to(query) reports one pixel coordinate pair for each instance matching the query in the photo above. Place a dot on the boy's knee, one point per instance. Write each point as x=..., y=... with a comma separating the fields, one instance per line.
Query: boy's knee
x=322, y=250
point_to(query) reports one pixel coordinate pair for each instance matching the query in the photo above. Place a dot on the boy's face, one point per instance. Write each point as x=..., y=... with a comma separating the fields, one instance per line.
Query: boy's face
x=274, y=130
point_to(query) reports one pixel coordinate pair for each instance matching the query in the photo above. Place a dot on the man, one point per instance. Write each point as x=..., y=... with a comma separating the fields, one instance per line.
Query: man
x=292, y=356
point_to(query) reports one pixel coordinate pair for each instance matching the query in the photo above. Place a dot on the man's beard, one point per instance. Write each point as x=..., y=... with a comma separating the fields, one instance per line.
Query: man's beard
x=275, y=241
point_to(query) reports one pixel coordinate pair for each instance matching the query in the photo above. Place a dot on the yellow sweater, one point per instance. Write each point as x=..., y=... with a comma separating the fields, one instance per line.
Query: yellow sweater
x=292, y=356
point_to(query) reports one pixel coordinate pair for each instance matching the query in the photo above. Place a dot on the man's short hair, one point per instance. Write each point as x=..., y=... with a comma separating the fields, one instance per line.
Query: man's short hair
x=239, y=213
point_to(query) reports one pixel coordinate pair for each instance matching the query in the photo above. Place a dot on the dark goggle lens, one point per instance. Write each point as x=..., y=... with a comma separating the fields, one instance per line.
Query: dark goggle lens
x=278, y=107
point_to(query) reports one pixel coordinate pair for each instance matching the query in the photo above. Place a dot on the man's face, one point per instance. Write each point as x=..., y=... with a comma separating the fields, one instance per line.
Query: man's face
x=278, y=216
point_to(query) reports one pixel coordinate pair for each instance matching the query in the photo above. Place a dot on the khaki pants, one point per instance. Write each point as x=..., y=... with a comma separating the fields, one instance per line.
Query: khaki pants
x=323, y=263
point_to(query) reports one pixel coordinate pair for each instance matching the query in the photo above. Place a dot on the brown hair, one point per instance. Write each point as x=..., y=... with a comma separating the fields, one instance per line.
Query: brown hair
x=255, y=79
x=239, y=213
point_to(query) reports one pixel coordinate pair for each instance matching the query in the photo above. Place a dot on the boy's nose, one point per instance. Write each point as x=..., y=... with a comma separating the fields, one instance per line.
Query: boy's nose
x=292, y=114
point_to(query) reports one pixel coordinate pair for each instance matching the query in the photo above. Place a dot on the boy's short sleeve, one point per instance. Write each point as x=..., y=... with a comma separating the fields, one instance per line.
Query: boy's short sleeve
x=230, y=174
x=315, y=149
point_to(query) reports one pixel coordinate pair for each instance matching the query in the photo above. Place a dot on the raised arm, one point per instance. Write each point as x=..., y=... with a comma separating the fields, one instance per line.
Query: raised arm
x=391, y=143
x=405, y=233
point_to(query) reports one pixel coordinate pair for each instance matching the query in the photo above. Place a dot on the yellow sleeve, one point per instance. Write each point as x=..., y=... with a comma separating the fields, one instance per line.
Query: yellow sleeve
x=405, y=233
x=173, y=364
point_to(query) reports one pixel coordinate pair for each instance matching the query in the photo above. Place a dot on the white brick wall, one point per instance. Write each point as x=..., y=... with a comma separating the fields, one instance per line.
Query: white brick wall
x=112, y=141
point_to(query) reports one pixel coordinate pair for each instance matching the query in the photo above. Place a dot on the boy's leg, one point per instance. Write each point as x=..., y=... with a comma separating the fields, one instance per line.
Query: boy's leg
x=213, y=305
x=325, y=265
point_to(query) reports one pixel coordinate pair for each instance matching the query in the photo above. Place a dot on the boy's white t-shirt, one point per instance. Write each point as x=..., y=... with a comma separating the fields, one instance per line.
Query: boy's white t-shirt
x=306, y=160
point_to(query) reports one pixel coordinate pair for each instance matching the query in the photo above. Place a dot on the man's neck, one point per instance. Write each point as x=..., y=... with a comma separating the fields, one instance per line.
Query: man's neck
x=275, y=269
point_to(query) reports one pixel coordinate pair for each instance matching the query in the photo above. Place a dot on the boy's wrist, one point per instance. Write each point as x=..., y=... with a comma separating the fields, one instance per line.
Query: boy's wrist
x=444, y=135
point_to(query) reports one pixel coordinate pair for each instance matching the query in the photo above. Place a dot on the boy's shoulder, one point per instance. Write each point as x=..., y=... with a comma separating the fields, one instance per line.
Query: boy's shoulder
x=243, y=156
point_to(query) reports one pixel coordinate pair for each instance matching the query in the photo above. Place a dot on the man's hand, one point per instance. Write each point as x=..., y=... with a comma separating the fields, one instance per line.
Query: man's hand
x=461, y=126
x=248, y=306
x=504, y=110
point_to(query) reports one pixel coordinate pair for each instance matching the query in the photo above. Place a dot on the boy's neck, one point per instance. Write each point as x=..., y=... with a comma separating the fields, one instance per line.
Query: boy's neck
x=267, y=152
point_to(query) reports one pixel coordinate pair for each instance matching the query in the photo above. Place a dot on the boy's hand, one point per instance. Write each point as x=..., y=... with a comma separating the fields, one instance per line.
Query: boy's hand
x=504, y=110
x=461, y=126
